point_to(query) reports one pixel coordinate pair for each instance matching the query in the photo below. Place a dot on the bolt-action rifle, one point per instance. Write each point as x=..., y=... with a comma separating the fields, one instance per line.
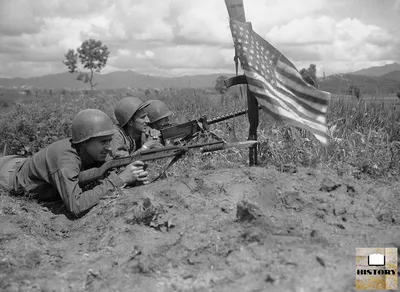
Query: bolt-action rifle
x=88, y=176
x=186, y=131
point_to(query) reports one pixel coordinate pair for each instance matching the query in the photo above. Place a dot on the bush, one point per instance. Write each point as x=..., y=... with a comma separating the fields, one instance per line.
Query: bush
x=30, y=127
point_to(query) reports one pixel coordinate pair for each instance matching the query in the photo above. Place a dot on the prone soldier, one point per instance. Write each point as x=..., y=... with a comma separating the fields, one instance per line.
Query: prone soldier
x=53, y=171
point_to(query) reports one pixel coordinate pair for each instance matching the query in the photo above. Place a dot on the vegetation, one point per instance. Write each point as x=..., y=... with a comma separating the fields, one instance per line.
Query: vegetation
x=310, y=75
x=354, y=90
x=365, y=135
x=220, y=85
x=93, y=56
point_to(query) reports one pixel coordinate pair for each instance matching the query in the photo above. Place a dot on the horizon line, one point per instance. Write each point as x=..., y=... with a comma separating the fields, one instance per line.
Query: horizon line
x=178, y=76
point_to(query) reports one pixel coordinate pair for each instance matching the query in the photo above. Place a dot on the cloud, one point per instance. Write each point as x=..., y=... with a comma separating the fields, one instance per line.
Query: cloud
x=190, y=57
x=175, y=57
x=181, y=37
x=73, y=9
x=58, y=36
x=305, y=31
x=269, y=13
x=328, y=41
x=14, y=68
x=359, y=41
x=379, y=37
x=203, y=24
x=396, y=5
x=17, y=18
x=145, y=55
x=141, y=23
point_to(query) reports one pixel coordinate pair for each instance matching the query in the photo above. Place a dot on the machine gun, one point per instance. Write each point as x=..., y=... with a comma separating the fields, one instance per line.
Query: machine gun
x=188, y=130
x=93, y=174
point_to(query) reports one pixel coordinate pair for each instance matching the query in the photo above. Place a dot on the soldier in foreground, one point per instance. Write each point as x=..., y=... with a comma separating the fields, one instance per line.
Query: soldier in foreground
x=53, y=171
x=131, y=129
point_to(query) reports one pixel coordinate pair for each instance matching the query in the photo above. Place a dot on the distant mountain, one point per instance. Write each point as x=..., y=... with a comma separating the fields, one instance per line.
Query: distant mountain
x=395, y=75
x=340, y=83
x=114, y=80
x=387, y=82
x=375, y=80
x=378, y=71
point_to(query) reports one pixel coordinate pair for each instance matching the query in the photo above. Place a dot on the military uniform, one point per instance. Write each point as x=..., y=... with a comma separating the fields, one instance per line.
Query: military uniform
x=53, y=173
x=8, y=164
x=123, y=145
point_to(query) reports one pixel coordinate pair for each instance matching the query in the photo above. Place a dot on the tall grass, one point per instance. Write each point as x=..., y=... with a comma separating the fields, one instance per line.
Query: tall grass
x=364, y=135
x=364, y=139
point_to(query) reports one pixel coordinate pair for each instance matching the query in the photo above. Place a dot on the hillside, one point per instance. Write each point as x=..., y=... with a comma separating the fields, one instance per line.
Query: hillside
x=114, y=80
x=381, y=80
x=374, y=80
x=378, y=70
x=392, y=76
x=340, y=83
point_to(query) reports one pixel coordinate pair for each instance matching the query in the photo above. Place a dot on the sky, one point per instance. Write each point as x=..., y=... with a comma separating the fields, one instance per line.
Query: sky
x=186, y=37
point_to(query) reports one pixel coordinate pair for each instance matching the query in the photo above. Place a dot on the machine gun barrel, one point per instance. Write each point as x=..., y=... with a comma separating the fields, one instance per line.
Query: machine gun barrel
x=228, y=116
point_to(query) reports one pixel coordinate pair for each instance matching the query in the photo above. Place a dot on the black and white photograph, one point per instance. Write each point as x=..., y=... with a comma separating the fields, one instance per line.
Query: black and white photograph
x=199, y=145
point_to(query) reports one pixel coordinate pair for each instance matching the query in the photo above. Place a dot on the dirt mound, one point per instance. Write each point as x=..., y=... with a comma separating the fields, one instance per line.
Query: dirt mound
x=239, y=229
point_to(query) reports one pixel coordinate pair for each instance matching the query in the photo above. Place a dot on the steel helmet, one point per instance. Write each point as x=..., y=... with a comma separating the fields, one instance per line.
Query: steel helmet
x=91, y=123
x=157, y=110
x=126, y=108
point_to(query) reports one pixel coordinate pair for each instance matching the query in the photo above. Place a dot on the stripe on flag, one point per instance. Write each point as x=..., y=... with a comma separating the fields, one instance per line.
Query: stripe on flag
x=277, y=84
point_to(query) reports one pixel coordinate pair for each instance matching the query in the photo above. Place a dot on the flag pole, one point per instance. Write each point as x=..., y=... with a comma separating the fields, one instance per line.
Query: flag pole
x=236, y=11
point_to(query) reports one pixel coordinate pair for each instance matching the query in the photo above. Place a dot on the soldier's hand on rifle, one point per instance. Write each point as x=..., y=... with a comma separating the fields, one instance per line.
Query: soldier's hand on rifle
x=150, y=144
x=153, y=133
x=134, y=172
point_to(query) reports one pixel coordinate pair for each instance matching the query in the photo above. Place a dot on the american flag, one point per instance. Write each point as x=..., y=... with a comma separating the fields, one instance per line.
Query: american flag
x=277, y=85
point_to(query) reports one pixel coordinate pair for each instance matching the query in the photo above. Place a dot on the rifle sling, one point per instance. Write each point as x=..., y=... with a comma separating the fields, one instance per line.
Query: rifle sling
x=175, y=159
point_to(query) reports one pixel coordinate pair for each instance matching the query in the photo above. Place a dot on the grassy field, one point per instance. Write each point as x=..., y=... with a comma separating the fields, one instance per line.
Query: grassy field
x=217, y=225
x=365, y=133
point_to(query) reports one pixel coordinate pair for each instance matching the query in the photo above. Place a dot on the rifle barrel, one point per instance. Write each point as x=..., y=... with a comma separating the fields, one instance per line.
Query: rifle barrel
x=90, y=175
x=221, y=146
x=228, y=116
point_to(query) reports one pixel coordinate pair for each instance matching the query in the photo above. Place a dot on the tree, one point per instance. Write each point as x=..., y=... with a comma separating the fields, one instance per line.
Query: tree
x=220, y=85
x=93, y=56
x=310, y=75
x=354, y=90
x=357, y=92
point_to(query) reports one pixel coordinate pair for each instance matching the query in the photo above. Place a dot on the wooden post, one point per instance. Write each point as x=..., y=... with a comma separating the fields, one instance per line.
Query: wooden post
x=236, y=11
x=252, y=114
x=253, y=109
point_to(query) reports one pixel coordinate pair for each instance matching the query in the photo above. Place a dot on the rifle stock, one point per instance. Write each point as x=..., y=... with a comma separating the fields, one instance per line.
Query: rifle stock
x=93, y=174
